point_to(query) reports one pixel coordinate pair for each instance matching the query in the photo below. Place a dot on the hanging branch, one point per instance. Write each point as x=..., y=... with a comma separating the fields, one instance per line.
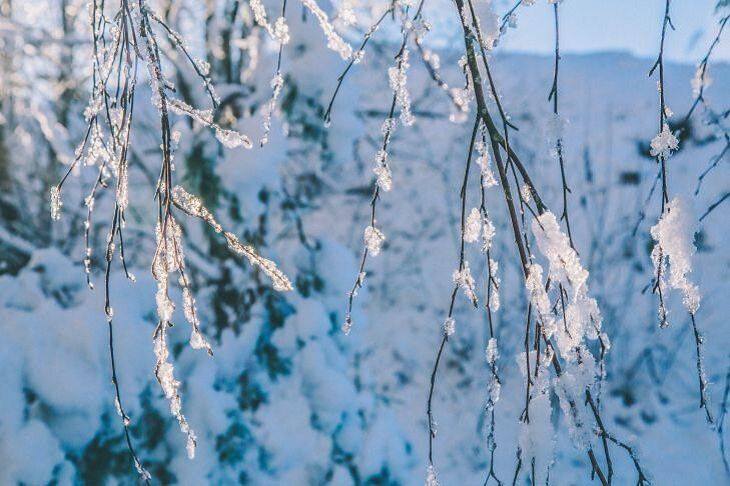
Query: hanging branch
x=281, y=32
x=701, y=79
x=462, y=279
x=674, y=244
x=499, y=142
x=700, y=82
x=374, y=237
x=119, y=42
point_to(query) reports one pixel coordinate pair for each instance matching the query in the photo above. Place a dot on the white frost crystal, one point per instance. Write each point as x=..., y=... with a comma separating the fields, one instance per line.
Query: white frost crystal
x=334, y=41
x=231, y=139
x=674, y=241
x=536, y=439
x=449, y=326
x=277, y=83
x=193, y=206
x=664, y=143
x=473, y=226
x=170, y=386
x=399, y=84
x=431, y=477
x=539, y=298
x=382, y=172
x=494, y=302
x=463, y=279
x=484, y=163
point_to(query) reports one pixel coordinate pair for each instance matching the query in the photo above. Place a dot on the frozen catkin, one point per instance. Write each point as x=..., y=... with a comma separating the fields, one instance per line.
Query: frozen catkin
x=701, y=80
x=164, y=371
x=278, y=31
x=374, y=239
x=473, y=226
x=485, y=165
x=398, y=78
x=277, y=84
x=56, y=203
x=334, y=41
x=449, y=326
x=495, y=386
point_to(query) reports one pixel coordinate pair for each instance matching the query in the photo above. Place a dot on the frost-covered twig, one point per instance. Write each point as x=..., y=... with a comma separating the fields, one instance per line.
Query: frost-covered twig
x=700, y=83
x=356, y=58
x=373, y=236
x=193, y=206
x=701, y=374
x=672, y=258
x=702, y=78
x=674, y=232
x=665, y=142
x=557, y=124
x=277, y=82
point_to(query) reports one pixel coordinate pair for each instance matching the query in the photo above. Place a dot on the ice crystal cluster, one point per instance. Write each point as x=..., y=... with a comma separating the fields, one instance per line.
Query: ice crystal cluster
x=374, y=239
x=571, y=318
x=279, y=30
x=431, y=477
x=484, y=162
x=473, y=226
x=582, y=318
x=463, y=279
x=398, y=76
x=382, y=169
x=664, y=143
x=277, y=84
x=449, y=326
x=334, y=41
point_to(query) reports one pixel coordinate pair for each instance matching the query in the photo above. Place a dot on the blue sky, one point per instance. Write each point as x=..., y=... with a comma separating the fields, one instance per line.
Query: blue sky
x=601, y=25
x=627, y=25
